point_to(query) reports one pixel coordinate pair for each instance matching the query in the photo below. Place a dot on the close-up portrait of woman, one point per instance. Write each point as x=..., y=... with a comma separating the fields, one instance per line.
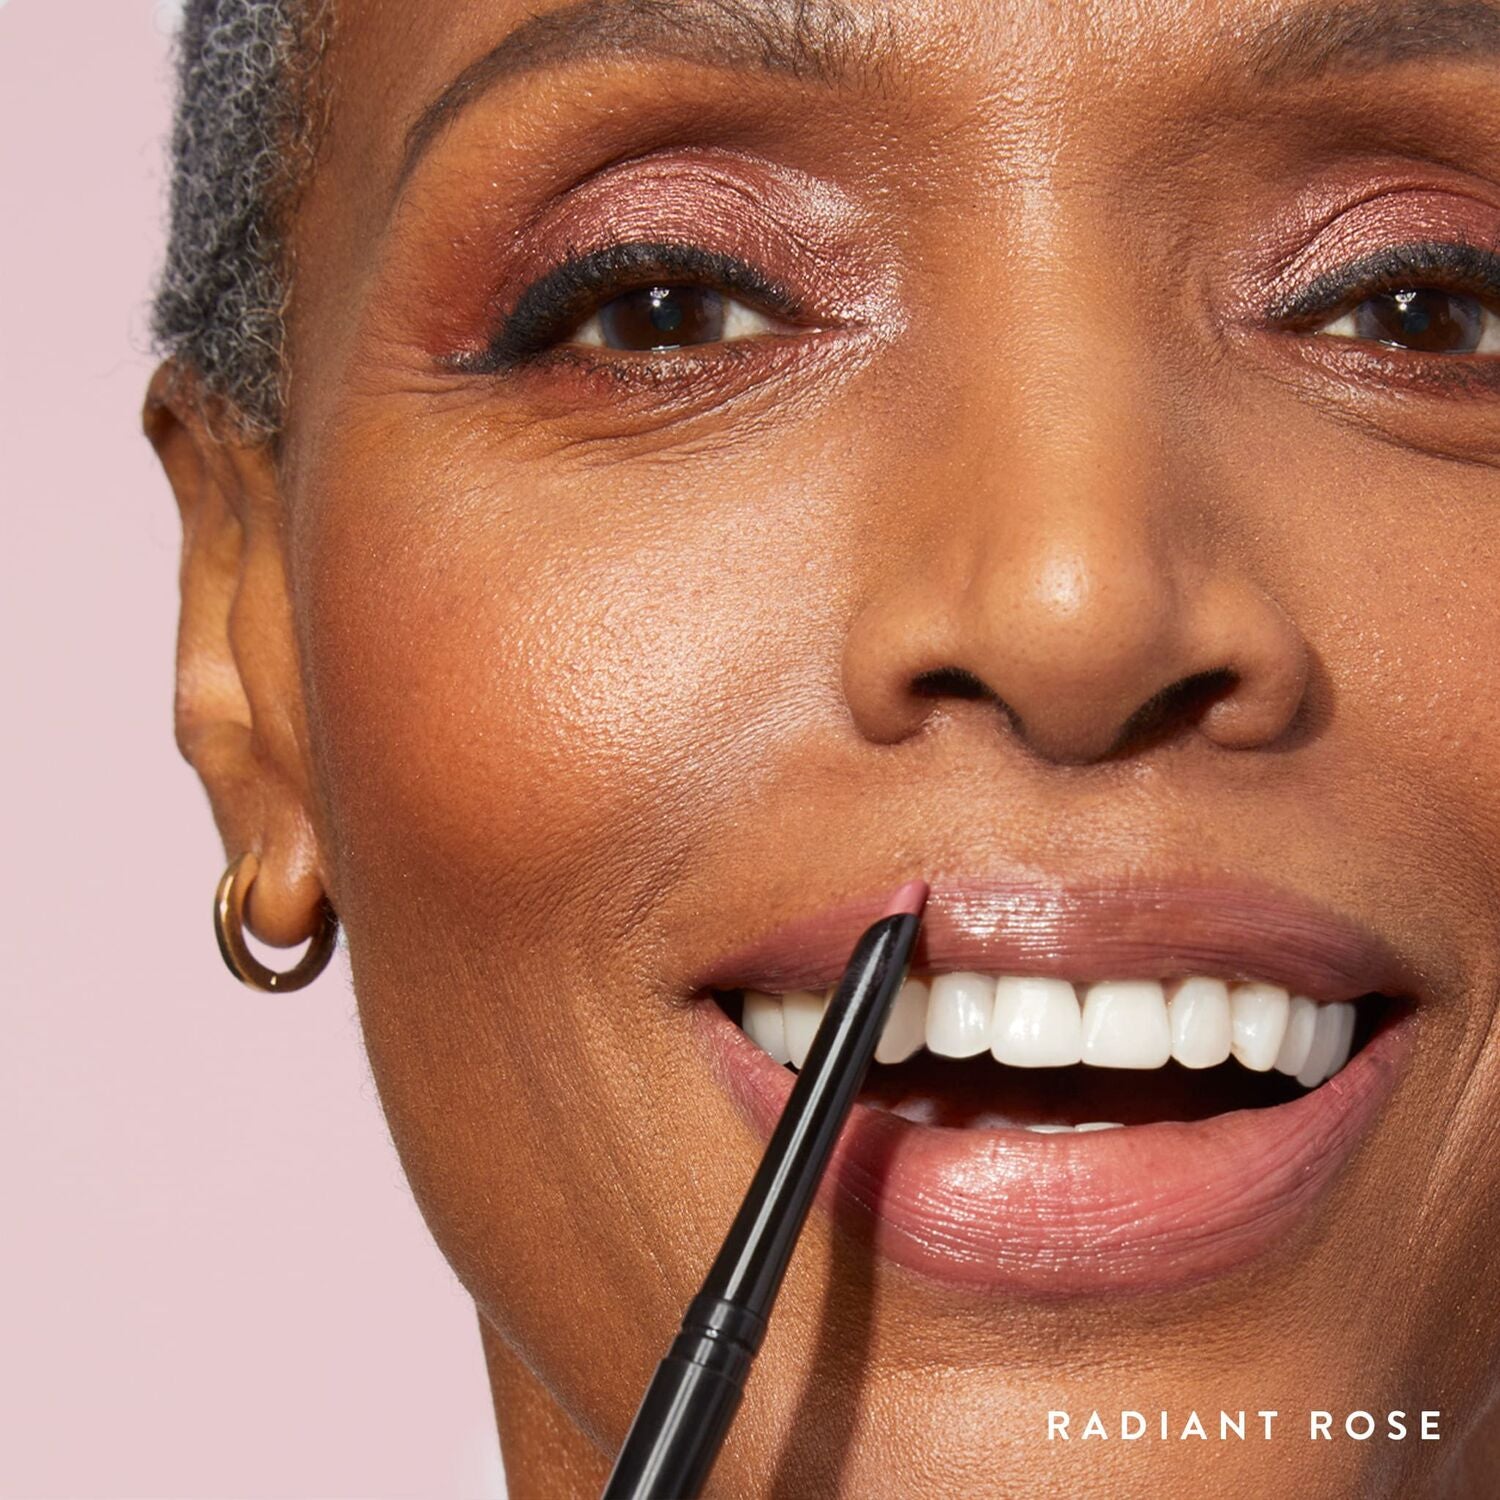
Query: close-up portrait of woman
x=724, y=537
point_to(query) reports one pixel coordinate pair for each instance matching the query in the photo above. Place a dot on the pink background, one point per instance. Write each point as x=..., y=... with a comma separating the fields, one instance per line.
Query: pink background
x=213, y=1280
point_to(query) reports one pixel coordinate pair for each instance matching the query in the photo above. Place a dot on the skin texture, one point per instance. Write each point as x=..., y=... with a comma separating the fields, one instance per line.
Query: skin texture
x=565, y=681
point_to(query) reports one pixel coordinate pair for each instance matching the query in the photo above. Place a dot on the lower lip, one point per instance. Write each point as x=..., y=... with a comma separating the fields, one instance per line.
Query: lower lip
x=1141, y=1208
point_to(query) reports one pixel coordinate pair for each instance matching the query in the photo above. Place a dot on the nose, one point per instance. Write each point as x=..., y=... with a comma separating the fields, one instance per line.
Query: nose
x=1083, y=600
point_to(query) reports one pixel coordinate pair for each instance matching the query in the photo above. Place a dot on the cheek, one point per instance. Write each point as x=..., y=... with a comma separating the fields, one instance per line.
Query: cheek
x=523, y=674
x=1408, y=618
x=536, y=701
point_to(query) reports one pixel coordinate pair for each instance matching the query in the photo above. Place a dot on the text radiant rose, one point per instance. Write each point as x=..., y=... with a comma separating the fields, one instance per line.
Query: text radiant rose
x=1358, y=1425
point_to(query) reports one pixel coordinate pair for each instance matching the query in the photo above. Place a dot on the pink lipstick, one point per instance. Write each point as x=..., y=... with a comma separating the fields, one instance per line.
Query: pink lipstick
x=1156, y=1204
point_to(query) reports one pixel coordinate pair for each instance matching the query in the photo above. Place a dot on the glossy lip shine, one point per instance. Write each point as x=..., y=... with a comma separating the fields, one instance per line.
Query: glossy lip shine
x=1146, y=1207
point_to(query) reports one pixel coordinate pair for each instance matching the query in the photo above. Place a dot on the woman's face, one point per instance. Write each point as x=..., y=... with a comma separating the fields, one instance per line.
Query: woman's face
x=1076, y=481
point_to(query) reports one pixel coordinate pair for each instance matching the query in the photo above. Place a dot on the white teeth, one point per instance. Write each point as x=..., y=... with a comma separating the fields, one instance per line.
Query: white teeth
x=764, y=1026
x=1259, y=1014
x=1100, y=1125
x=906, y=1025
x=960, y=1012
x=1324, y=1043
x=1332, y=1035
x=1344, y=1038
x=1030, y=1022
x=1317, y=1042
x=1048, y=1129
x=1125, y=1025
x=1073, y=1129
x=1301, y=1021
x=1037, y=1024
x=801, y=1012
x=1201, y=1026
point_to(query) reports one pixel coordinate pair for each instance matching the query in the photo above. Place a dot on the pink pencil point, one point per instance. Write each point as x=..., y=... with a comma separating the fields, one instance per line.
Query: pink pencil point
x=908, y=901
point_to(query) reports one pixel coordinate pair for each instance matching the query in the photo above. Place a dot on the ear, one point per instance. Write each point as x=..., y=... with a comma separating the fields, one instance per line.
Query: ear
x=239, y=711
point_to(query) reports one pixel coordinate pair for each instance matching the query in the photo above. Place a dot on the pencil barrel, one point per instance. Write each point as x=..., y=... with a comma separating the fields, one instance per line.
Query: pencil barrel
x=680, y=1426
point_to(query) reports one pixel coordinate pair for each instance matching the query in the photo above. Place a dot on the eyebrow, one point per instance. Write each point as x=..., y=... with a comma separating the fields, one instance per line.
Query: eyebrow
x=826, y=42
x=1371, y=34
x=821, y=41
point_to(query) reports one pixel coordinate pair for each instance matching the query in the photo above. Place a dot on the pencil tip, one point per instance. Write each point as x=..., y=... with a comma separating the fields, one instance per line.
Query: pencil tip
x=908, y=901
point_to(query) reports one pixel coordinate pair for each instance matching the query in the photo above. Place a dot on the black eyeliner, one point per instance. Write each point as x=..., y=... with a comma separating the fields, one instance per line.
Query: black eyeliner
x=556, y=303
x=1461, y=267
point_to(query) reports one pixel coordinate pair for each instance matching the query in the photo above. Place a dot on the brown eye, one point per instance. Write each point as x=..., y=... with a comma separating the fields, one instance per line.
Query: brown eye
x=656, y=319
x=1425, y=320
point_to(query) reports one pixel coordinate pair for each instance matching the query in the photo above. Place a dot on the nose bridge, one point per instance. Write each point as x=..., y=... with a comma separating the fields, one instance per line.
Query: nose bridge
x=1064, y=396
x=1081, y=539
x=1072, y=573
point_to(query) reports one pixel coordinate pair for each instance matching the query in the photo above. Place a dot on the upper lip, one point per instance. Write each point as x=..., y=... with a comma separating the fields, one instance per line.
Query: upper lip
x=1143, y=929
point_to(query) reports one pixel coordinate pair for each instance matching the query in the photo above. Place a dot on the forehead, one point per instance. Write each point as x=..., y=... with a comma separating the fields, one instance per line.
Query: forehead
x=404, y=75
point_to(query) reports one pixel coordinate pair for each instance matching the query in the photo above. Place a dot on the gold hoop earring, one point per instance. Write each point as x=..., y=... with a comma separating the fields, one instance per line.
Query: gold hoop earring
x=229, y=928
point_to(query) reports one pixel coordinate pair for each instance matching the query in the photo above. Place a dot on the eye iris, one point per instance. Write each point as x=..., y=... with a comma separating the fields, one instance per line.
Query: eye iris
x=663, y=317
x=1428, y=321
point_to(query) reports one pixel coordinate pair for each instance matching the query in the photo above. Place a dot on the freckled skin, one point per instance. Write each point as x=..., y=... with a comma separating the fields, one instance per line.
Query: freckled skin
x=563, y=686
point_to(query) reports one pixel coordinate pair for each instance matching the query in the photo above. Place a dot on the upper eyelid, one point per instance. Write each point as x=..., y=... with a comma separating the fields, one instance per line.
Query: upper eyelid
x=638, y=262
x=614, y=271
x=1449, y=259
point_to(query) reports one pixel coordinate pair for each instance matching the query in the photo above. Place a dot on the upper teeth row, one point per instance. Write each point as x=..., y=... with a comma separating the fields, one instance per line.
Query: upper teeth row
x=1117, y=1023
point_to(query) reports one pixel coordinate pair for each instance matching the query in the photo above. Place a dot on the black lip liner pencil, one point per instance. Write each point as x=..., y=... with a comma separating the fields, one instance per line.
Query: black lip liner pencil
x=686, y=1411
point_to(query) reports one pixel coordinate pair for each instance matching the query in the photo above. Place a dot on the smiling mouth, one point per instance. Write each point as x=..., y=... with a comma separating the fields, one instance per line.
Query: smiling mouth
x=966, y=1050
x=1123, y=1088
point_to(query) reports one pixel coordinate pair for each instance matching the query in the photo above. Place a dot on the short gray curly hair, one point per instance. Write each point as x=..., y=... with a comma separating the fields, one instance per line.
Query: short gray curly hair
x=244, y=140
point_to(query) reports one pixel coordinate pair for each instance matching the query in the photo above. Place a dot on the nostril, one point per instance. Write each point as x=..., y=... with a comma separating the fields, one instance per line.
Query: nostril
x=961, y=684
x=1176, y=705
x=1165, y=713
x=949, y=682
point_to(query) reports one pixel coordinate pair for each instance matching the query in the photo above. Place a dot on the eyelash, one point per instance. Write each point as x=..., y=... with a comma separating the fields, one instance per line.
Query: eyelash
x=551, y=308
x=560, y=301
x=1458, y=267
